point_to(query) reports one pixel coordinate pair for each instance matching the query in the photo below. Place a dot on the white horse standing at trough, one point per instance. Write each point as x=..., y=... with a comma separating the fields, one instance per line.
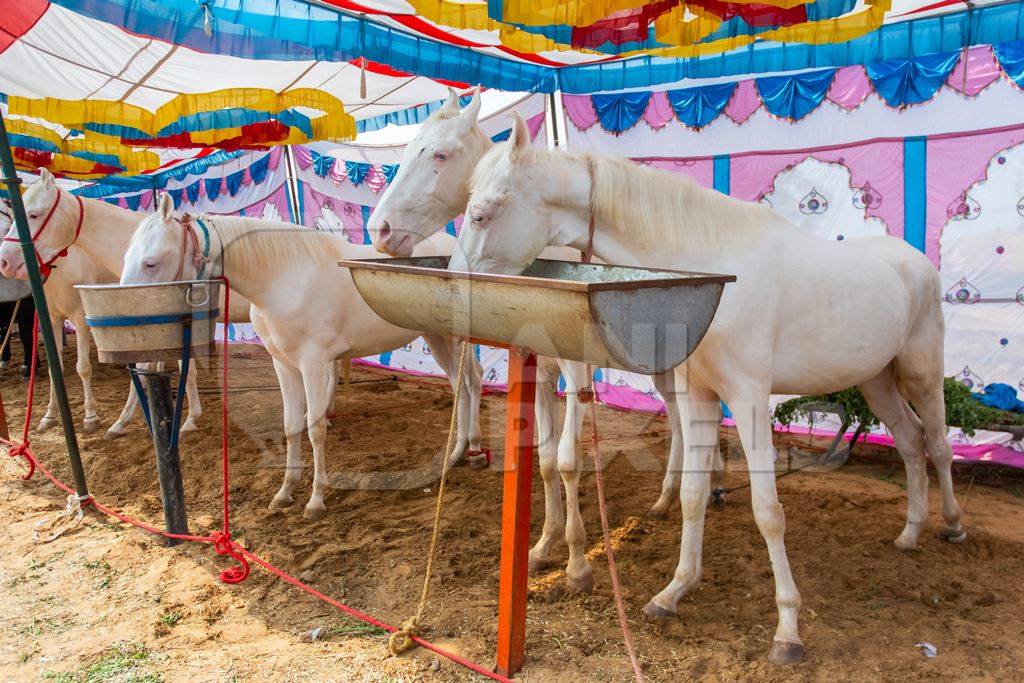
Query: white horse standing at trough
x=52, y=212
x=306, y=310
x=432, y=188
x=883, y=332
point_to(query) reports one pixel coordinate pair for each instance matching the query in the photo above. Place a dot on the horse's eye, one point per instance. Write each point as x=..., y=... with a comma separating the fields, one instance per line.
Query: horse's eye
x=440, y=156
x=33, y=216
x=477, y=218
x=149, y=264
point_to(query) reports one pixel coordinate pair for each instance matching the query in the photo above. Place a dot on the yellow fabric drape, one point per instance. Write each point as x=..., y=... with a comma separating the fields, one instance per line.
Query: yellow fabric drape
x=334, y=124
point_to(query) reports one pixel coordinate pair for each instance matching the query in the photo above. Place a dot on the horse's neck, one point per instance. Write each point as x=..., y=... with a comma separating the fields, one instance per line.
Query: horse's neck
x=106, y=232
x=265, y=263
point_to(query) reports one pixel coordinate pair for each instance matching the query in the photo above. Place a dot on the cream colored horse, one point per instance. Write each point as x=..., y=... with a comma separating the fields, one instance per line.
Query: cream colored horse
x=63, y=302
x=306, y=310
x=432, y=188
x=805, y=316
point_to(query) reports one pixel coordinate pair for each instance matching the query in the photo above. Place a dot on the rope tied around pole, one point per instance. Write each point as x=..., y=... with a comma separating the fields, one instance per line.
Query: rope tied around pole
x=402, y=639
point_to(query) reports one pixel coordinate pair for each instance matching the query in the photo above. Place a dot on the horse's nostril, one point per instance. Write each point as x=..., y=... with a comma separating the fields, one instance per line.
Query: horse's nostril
x=4, y=265
x=385, y=230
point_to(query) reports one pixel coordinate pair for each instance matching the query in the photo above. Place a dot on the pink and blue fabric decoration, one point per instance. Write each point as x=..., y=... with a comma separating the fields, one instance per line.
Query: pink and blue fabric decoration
x=1011, y=59
x=620, y=112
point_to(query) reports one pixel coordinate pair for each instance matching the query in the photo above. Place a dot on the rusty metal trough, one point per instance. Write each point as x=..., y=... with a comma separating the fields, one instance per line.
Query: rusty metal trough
x=637, y=319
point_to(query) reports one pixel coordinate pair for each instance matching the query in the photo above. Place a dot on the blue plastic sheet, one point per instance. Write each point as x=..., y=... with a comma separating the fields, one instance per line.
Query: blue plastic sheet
x=1001, y=396
x=1011, y=59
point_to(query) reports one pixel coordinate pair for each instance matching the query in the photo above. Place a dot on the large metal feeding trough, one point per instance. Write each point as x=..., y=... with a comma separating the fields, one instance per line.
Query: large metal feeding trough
x=151, y=322
x=637, y=319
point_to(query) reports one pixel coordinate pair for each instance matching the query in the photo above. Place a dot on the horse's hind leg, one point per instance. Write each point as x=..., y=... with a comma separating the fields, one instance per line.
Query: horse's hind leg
x=578, y=572
x=891, y=408
x=316, y=381
x=922, y=376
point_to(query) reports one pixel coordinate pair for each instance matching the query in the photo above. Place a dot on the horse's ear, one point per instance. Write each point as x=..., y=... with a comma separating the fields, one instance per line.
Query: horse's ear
x=452, y=103
x=166, y=207
x=46, y=178
x=520, y=137
x=472, y=111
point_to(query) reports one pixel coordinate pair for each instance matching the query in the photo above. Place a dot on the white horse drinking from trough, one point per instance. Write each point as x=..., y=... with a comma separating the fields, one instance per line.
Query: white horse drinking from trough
x=52, y=213
x=432, y=188
x=306, y=310
x=882, y=329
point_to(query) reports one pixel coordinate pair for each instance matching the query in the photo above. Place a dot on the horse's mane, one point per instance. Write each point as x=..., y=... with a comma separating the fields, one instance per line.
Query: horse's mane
x=254, y=245
x=652, y=207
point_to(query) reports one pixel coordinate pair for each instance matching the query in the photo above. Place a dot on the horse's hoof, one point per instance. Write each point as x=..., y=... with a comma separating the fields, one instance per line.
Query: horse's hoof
x=655, y=513
x=478, y=462
x=584, y=583
x=786, y=653
x=112, y=434
x=91, y=424
x=280, y=503
x=314, y=513
x=189, y=426
x=535, y=566
x=951, y=536
x=47, y=423
x=652, y=610
x=905, y=544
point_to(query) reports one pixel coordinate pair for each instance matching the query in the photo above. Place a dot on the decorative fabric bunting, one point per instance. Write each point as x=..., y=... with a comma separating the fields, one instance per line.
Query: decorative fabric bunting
x=233, y=182
x=1011, y=60
x=911, y=81
x=259, y=169
x=192, y=192
x=322, y=165
x=620, y=112
x=389, y=171
x=794, y=97
x=176, y=197
x=697, y=107
x=356, y=172
x=213, y=187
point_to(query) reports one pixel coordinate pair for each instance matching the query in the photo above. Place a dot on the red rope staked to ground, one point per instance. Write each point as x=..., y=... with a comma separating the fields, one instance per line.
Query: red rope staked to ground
x=221, y=540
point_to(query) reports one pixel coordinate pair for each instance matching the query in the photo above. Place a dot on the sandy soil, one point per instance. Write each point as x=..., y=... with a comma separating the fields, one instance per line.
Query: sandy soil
x=107, y=602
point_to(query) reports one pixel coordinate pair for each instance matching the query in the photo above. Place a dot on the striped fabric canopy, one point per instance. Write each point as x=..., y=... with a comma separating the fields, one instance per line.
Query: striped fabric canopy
x=95, y=87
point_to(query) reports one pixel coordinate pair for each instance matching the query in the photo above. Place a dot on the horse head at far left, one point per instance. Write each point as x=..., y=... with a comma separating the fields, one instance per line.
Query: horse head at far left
x=431, y=185
x=54, y=220
x=164, y=248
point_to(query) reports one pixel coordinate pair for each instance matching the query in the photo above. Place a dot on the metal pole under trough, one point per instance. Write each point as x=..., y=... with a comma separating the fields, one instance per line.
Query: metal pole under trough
x=12, y=181
x=515, y=510
x=168, y=465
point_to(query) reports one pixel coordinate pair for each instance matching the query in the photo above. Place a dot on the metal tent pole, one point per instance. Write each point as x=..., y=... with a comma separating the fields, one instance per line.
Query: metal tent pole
x=11, y=179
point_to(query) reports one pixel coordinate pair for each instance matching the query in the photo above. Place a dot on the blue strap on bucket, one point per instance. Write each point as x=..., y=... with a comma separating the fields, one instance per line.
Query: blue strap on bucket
x=141, y=393
x=162, y=319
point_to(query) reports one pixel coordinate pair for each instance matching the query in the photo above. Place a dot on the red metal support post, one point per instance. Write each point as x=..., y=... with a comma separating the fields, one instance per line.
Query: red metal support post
x=515, y=516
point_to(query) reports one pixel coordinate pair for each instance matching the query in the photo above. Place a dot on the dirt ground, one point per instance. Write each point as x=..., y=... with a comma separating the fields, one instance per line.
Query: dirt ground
x=108, y=602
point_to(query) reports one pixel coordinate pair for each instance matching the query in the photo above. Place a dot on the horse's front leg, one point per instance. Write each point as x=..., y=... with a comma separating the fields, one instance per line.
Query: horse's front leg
x=446, y=352
x=83, y=365
x=294, y=403
x=547, y=449
x=195, y=407
x=316, y=380
x=753, y=423
x=700, y=415
x=578, y=572
x=50, y=418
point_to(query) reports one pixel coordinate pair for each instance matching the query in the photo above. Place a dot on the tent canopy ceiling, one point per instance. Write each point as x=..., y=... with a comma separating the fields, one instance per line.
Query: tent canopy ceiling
x=104, y=75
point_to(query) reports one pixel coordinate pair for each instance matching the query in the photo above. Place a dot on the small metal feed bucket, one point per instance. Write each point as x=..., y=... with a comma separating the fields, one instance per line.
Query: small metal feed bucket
x=150, y=322
x=638, y=319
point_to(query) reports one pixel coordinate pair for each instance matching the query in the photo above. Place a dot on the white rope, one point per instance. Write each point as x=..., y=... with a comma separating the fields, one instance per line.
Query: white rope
x=69, y=519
